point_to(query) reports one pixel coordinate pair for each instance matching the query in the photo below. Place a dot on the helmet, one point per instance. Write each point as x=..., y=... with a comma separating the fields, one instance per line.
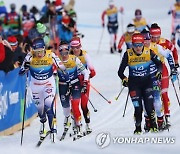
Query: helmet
x=146, y=34
x=137, y=38
x=75, y=42
x=38, y=44
x=130, y=28
x=155, y=30
x=138, y=12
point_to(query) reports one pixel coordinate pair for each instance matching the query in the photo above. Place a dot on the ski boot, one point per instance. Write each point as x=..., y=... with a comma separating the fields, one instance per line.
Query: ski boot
x=115, y=48
x=160, y=122
x=67, y=123
x=42, y=131
x=167, y=119
x=153, y=127
x=147, y=124
x=53, y=135
x=79, y=131
x=111, y=50
x=138, y=130
x=88, y=129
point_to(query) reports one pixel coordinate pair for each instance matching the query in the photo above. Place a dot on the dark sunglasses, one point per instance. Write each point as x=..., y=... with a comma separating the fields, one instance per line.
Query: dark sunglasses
x=64, y=53
x=137, y=45
x=64, y=48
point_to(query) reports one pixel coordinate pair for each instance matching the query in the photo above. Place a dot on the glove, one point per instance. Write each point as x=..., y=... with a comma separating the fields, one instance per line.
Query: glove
x=125, y=82
x=26, y=65
x=158, y=75
x=69, y=88
x=84, y=87
x=173, y=74
x=22, y=71
x=119, y=50
x=178, y=68
x=92, y=74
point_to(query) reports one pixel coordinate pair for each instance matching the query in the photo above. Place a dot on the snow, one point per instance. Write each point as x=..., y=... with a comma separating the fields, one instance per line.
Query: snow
x=109, y=116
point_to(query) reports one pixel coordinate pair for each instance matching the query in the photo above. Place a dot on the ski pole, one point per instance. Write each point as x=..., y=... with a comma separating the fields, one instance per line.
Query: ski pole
x=116, y=98
x=102, y=33
x=24, y=109
x=100, y=94
x=95, y=110
x=175, y=92
x=178, y=81
x=126, y=104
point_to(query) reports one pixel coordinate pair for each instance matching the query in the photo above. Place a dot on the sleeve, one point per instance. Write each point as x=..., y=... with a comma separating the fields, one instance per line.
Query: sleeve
x=82, y=69
x=90, y=66
x=58, y=63
x=156, y=60
x=28, y=58
x=102, y=16
x=2, y=53
x=121, y=41
x=123, y=65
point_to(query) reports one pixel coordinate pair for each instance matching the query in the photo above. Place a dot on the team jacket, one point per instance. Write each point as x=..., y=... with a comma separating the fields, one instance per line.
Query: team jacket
x=74, y=67
x=140, y=24
x=139, y=66
x=42, y=68
x=112, y=15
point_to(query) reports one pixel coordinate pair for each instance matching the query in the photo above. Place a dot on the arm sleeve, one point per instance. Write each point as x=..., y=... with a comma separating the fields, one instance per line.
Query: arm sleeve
x=121, y=41
x=102, y=16
x=82, y=69
x=2, y=53
x=123, y=65
x=156, y=60
x=90, y=66
x=58, y=63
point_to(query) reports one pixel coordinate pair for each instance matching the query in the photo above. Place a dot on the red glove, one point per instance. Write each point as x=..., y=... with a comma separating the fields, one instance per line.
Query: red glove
x=92, y=74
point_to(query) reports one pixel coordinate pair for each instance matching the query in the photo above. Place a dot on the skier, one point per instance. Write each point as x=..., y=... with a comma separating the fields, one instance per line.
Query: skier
x=138, y=58
x=74, y=67
x=112, y=25
x=161, y=52
x=126, y=37
x=84, y=57
x=155, y=33
x=140, y=22
x=40, y=63
x=175, y=11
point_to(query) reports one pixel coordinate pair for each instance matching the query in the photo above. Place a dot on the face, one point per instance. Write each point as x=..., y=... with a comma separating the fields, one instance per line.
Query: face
x=147, y=43
x=39, y=53
x=138, y=47
x=76, y=50
x=13, y=47
x=155, y=39
x=64, y=54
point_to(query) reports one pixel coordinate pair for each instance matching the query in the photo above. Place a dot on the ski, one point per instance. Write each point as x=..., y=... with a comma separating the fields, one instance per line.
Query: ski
x=64, y=134
x=42, y=138
x=84, y=134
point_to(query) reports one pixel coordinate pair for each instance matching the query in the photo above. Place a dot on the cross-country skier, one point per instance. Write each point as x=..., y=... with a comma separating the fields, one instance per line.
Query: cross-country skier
x=155, y=33
x=112, y=25
x=138, y=59
x=74, y=68
x=40, y=63
x=84, y=57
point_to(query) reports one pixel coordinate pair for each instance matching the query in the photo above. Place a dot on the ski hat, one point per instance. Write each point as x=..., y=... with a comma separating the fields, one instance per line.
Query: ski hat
x=38, y=44
x=12, y=6
x=63, y=46
x=138, y=12
x=66, y=20
x=2, y=3
x=33, y=34
x=146, y=34
x=75, y=42
x=155, y=30
x=41, y=28
x=24, y=8
x=111, y=2
x=130, y=28
x=12, y=40
x=137, y=38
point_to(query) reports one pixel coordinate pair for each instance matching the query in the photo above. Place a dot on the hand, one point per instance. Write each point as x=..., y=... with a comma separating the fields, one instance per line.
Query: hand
x=120, y=50
x=125, y=82
x=173, y=74
x=92, y=74
x=103, y=25
x=178, y=68
x=22, y=71
x=159, y=75
x=69, y=87
x=84, y=87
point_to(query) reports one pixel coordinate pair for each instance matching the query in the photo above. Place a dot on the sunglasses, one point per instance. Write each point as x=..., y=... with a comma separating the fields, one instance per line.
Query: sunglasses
x=78, y=47
x=137, y=45
x=64, y=53
x=64, y=48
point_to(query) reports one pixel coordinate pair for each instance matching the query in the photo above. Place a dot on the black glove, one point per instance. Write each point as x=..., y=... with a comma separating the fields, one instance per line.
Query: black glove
x=69, y=89
x=103, y=25
x=84, y=87
x=125, y=82
x=119, y=50
x=176, y=66
x=173, y=71
x=159, y=75
x=26, y=65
